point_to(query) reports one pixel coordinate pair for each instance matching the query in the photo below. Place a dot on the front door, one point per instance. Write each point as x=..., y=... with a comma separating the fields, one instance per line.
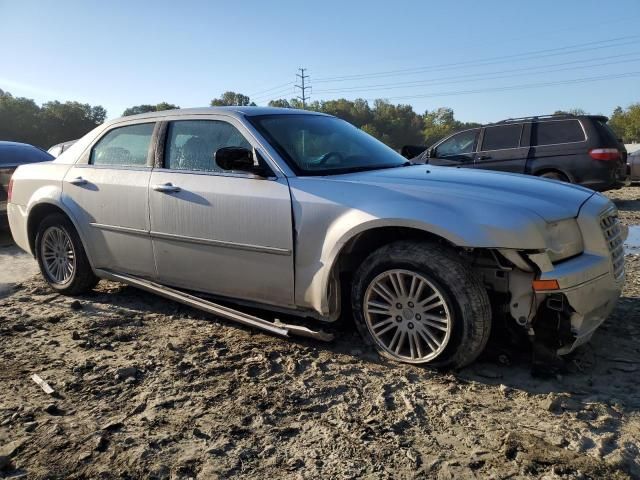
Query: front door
x=457, y=150
x=213, y=231
x=503, y=148
x=107, y=193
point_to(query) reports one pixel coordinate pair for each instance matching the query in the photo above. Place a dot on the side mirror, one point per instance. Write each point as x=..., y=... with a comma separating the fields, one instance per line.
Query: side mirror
x=238, y=159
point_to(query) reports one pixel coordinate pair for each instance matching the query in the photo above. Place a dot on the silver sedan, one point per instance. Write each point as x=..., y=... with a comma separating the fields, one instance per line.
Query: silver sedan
x=304, y=214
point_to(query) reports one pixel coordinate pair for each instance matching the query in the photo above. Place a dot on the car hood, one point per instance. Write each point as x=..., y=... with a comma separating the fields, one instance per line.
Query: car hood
x=550, y=199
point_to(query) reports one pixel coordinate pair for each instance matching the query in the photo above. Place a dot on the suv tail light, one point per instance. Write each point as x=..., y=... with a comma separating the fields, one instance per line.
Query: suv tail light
x=604, y=153
x=9, y=190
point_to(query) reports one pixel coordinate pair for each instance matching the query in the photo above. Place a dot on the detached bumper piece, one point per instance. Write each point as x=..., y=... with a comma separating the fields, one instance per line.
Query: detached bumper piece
x=227, y=313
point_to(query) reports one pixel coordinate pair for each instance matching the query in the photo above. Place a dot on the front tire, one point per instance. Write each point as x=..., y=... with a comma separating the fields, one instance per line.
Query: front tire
x=420, y=303
x=61, y=256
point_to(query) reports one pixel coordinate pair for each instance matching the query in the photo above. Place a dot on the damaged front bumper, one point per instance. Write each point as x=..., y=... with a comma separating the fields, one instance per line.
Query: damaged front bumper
x=586, y=304
x=562, y=304
x=588, y=285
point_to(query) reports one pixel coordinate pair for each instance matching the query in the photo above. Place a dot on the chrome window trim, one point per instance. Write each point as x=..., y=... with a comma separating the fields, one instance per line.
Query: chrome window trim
x=141, y=168
x=179, y=171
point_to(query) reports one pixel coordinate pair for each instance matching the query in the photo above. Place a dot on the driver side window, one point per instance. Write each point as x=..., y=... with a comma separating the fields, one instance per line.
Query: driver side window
x=463, y=143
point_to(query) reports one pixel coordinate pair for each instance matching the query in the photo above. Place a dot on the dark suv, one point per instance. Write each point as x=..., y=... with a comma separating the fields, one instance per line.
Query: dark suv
x=579, y=149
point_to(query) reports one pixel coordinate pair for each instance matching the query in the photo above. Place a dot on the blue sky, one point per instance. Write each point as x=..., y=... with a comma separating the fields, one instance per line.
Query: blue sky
x=427, y=54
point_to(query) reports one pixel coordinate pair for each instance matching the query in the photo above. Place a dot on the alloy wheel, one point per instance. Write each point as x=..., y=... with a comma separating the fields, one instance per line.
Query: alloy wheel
x=58, y=255
x=407, y=315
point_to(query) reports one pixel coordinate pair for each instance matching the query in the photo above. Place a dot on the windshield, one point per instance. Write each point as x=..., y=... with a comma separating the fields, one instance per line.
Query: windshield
x=322, y=145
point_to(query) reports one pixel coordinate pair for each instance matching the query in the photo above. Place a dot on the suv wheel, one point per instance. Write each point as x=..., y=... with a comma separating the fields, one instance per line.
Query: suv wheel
x=419, y=303
x=61, y=256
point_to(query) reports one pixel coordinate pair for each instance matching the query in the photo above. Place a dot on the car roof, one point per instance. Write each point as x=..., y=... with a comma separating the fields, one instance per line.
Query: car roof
x=548, y=118
x=7, y=144
x=231, y=111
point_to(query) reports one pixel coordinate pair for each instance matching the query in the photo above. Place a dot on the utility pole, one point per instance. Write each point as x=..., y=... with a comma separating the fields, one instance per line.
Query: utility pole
x=303, y=87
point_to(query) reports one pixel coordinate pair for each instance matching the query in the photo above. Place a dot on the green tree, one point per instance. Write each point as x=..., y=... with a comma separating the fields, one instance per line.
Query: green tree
x=626, y=123
x=398, y=125
x=571, y=111
x=20, y=120
x=280, y=103
x=441, y=122
x=232, y=99
x=149, y=108
x=67, y=121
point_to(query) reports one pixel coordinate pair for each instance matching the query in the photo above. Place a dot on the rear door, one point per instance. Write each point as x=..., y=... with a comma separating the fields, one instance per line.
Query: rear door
x=559, y=145
x=502, y=148
x=457, y=150
x=107, y=192
x=216, y=231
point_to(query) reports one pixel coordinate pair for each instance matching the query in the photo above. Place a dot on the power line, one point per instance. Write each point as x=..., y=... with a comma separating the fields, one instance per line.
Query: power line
x=486, y=76
x=303, y=88
x=290, y=89
x=518, y=87
x=567, y=50
x=259, y=94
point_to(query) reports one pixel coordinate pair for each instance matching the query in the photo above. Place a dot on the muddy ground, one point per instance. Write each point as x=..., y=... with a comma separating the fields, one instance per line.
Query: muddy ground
x=146, y=388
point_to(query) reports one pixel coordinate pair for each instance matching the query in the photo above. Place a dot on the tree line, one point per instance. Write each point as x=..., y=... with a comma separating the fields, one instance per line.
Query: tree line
x=22, y=120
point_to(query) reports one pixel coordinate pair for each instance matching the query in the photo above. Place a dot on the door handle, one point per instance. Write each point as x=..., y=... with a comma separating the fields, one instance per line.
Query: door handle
x=484, y=157
x=78, y=181
x=166, y=188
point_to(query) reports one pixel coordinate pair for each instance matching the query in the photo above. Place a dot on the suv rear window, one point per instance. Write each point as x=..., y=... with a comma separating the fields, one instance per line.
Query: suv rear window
x=504, y=136
x=607, y=133
x=557, y=131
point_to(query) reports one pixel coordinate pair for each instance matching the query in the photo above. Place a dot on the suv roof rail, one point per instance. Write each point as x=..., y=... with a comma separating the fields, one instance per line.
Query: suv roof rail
x=539, y=117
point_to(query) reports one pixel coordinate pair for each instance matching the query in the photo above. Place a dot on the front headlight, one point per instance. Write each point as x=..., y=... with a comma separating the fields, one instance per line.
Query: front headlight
x=564, y=240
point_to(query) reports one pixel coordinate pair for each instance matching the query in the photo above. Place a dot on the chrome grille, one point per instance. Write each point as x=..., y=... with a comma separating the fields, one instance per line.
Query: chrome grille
x=613, y=235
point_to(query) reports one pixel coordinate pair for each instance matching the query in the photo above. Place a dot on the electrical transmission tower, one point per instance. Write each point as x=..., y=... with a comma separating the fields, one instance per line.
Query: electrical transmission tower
x=304, y=88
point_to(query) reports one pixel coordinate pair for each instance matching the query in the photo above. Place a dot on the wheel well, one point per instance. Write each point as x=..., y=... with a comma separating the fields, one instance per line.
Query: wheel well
x=357, y=249
x=553, y=170
x=37, y=214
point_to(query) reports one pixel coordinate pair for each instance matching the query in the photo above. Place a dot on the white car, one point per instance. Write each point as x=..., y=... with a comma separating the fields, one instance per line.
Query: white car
x=291, y=211
x=633, y=159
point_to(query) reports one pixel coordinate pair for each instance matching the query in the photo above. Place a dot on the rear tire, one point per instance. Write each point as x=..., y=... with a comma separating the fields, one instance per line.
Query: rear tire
x=428, y=294
x=555, y=176
x=61, y=257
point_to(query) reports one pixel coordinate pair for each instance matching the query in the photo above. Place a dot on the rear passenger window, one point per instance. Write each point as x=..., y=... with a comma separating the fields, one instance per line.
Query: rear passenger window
x=124, y=146
x=562, y=131
x=192, y=144
x=504, y=136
